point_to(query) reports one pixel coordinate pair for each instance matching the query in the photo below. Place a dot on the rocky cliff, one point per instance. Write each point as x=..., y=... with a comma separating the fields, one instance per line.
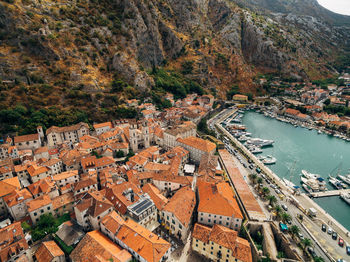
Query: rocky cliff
x=78, y=47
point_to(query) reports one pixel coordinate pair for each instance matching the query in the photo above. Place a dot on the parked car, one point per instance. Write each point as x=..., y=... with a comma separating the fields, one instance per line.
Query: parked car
x=330, y=231
x=245, y=166
x=301, y=236
x=312, y=251
x=284, y=207
x=335, y=235
x=324, y=228
x=341, y=242
x=348, y=250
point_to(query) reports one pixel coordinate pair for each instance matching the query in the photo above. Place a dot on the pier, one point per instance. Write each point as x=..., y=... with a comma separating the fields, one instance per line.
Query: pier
x=330, y=193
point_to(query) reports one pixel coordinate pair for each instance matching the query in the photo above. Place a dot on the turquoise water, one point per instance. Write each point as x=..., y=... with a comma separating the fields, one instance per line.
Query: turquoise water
x=298, y=148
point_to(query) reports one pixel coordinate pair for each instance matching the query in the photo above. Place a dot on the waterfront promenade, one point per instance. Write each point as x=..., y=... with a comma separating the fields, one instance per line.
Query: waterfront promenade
x=304, y=201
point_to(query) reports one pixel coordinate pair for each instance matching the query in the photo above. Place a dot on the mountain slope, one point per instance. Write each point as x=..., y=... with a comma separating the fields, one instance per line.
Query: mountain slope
x=92, y=55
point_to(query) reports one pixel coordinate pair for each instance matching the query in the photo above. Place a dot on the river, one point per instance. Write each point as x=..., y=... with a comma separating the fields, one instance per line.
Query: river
x=298, y=148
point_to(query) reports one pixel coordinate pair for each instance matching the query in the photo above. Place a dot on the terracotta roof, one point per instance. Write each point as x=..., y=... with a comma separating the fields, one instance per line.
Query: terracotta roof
x=62, y=200
x=112, y=222
x=17, y=196
x=245, y=194
x=35, y=170
x=92, y=161
x=26, y=138
x=65, y=175
x=12, y=239
x=51, y=162
x=225, y=237
x=8, y=185
x=39, y=202
x=159, y=200
x=41, y=150
x=217, y=199
x=97, y=247
x=96, y=204
x=198, y=143
x=66, y=128
x=53, y=151
x=148, y=245
x=84, y=183
x=152, y=166
x=105, y=124
x=45, y=185
x=120, y=200
x=182, y=205
x=292, y=111
x=48, y=251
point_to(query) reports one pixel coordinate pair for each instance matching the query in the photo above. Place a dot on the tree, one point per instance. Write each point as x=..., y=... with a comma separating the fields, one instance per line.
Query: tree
x=265, y=191
x=26, y=227
x=278, y=211
x=318, y=259
x=286, y=217
x=187, y=67
x=260, y=180
x=294, y=230
x=253, y=178
x=272, y=200
x=306, y=242
x=119, y=154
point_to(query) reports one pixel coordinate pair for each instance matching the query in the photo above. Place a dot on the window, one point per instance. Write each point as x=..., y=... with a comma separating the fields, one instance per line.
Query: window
x=201, y=218
x=196, y=245
x=35, y=214
x=197, y=240
x=42, y=211
x=208, y=220
x=204, y=248
x=48, y=208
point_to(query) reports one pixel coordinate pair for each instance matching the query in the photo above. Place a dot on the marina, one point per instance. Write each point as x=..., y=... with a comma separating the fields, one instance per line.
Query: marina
x=313, y=152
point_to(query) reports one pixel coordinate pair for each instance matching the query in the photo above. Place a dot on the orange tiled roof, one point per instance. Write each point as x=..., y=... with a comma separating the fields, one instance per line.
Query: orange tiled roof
x=26, y=138
x=66, y=128
x=39, y=202
x=105, y=124
x=198, y=143
x=35, y=170
x=47, y=251
x=217, y=199
x=8, y=185
x=225, y=237
x=182, y=205
x=152, y=166
x=113, y=222
x=158, y=199
x=97, y=247
x=17, y=196
x=62, y=200
x=45, y=185
x=41, y=150
x=148, y=245
x=65, y=175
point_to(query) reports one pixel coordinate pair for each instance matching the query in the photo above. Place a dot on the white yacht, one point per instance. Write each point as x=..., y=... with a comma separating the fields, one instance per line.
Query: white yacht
x=309, y=175
x=268, y=160
x=255, y=149
x=260, y=142
x=336, y=183
x=346, y=179
x=345, y=197
x=311, y=183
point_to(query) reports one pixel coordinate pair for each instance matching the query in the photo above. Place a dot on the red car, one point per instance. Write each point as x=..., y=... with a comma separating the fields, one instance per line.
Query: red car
x=341, y=242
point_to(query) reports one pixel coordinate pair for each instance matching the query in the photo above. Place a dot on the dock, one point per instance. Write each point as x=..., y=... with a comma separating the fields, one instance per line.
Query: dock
x=330, y=193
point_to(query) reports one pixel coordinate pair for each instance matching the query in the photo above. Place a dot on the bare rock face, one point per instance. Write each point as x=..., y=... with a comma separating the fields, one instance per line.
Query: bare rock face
x=128, y=68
